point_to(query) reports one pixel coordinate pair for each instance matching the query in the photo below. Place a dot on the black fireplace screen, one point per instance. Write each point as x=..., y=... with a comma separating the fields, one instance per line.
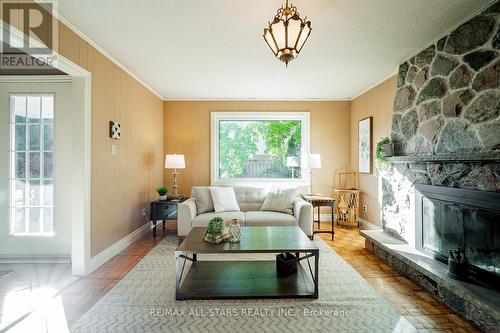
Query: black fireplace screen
x=448, y=217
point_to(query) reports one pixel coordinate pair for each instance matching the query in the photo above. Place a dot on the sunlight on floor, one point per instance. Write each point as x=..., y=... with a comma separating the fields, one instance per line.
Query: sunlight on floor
x=33, y=310
x=403, y=325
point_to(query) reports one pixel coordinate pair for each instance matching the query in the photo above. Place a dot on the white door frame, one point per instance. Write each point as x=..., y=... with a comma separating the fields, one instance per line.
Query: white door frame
x=80, y=227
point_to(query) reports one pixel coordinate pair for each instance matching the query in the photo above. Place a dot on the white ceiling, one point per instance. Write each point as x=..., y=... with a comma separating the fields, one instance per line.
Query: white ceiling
x=213, y=49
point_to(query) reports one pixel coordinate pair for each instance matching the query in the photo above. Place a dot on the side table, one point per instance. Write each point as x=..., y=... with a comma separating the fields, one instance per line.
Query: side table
x=321, y=201
x=163, y=210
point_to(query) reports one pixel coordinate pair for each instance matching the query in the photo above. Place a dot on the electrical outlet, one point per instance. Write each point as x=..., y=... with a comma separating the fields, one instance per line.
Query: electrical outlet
x=365, y=208
x=144, y=212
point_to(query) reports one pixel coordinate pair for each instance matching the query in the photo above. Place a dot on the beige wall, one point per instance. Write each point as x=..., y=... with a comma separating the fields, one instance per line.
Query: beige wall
x=187, y=131
x=124, y=183
x=376, y=103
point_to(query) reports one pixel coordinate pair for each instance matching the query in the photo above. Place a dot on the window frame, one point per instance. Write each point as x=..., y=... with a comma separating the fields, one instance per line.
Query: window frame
x=11, y=158
x=217, y=117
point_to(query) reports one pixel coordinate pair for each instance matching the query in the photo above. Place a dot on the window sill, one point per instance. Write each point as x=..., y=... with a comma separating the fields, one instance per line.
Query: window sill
x=48, y=235
x=261, y=182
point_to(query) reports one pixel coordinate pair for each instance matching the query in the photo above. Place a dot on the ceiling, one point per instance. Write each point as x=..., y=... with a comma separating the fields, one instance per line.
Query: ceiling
x=213, y=49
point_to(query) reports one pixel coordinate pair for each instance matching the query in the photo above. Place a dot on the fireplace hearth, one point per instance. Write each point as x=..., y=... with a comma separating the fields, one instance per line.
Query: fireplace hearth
x=447, y=218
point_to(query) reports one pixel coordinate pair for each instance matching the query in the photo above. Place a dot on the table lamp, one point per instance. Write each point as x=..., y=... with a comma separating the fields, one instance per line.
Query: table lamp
x=174, y=161
x=292, y=162
x=312, y=161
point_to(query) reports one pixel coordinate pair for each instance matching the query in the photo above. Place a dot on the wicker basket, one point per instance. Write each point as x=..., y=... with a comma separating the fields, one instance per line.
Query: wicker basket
x=347, y=206
x=347, y=197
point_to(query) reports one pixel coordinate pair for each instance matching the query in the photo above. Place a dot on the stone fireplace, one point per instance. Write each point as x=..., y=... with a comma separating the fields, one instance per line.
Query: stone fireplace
x=443, y=185
x=446, y=120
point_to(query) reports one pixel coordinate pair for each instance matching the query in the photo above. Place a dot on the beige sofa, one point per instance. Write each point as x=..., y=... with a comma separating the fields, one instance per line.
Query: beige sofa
x=250, y=201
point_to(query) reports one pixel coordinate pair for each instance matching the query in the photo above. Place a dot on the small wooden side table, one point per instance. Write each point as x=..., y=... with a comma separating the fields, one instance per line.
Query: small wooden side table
x=163, y=210
x=321, y=201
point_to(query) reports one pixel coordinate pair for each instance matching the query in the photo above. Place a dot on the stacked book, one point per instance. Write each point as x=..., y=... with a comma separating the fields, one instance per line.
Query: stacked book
x=217, y=238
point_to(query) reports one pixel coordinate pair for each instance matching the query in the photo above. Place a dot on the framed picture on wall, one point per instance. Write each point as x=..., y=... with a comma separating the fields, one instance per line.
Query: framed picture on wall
x=365, y=145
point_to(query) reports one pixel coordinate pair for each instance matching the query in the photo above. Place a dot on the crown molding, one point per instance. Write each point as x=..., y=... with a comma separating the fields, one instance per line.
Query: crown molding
x=35, y=79
x=104, y=52
x=257, y=100
x=394, y=72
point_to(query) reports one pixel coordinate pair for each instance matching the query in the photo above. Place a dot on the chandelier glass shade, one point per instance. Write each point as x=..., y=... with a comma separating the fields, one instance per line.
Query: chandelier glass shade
x=287, y=33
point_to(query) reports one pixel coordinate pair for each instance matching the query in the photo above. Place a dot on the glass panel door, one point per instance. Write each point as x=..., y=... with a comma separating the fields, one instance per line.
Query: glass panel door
x=31, y=160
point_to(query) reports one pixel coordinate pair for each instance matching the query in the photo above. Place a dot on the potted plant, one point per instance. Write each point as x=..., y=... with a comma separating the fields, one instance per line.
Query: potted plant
x=383, y=150
x=215, y=225
x=215, y=231
x=162, y=192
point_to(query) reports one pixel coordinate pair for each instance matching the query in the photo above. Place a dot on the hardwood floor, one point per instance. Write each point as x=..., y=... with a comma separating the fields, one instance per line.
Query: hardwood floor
x=424, y=311
x=82, y=295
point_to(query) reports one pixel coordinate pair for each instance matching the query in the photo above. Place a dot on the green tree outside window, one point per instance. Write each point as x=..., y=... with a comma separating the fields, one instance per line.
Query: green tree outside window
x=258, y=149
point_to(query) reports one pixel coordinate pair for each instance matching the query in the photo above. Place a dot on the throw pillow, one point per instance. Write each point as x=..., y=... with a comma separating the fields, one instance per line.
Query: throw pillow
x=280, y=200
x=224, y=199
x=203, y=198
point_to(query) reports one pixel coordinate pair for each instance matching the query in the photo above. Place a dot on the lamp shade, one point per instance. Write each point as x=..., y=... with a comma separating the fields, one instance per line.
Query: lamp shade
x=287, y=33
x=292, y=161
x=174, y=161
x=312, y=161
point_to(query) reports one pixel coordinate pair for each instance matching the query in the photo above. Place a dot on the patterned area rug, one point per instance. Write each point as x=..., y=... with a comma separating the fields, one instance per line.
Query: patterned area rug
x=144, y=301
x=4, y=273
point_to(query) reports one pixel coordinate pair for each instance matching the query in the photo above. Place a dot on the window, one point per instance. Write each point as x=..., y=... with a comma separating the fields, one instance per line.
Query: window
x=257, y=147
x=32, y=164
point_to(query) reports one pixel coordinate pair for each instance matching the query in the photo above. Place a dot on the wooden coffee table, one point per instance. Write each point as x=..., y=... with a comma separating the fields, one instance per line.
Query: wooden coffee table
x=233, y=279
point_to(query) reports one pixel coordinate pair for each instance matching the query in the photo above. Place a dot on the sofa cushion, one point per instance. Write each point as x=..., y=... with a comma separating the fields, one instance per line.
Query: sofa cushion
x=204, y=202
x=224, y=199
x=250, y=198
x=202, y=219
x=280, y=200
x=263, y=218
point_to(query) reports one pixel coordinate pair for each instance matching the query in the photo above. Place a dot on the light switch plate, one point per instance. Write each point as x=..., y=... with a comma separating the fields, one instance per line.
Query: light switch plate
x=113, y=149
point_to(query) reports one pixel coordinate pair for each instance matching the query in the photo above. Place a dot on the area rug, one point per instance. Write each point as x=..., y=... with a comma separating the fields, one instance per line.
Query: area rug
x=4, y=273
x=144, y=301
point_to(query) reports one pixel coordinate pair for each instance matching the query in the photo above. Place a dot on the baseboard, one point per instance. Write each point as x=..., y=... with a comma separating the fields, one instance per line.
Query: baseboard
x=34, y=259
x=365, y=225
x=103, y=257
x=324, y=217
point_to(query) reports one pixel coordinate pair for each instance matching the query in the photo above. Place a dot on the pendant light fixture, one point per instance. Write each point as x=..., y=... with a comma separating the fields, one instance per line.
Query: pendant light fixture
x=287, y=33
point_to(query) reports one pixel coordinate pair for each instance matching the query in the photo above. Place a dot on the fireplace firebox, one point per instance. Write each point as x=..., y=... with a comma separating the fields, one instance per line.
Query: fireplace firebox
x=449, y=217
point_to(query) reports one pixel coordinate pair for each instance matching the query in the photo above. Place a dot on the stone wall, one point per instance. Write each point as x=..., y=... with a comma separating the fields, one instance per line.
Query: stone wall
x=448, y=101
